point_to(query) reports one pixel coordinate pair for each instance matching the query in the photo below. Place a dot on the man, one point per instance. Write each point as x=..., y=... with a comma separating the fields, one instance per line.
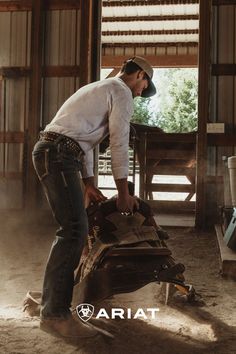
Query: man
x=66, y=146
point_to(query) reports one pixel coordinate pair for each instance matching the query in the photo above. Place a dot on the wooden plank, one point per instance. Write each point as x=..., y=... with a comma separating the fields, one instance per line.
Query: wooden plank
x=143, y=166
x=61, y=71
x=14, y=72
x=171, y=206
x=169, y=187
x=85, y=52
x=149, y=32
x=214, y=179
x=150, y=45
x=221, y=139
x=37, y=36
x=47, y=71
x=184, y=138
x=23, y=5
x=12, y=137
x=228, y=257
x=223, y=69
x=150, y=18
x=26, y=5
x=96, y=60
x=62, y=4
x=203, y=109
x=223, y=2
x=150, y=3
x=11, y=175
x=171, y=171
x=96, y=29
x=164, y=61
x=176, y=154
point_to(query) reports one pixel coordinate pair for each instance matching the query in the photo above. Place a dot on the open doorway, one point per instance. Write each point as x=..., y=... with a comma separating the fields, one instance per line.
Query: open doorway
x=166, y=34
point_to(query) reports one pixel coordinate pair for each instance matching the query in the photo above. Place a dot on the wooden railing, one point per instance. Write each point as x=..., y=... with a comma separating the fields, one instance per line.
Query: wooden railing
x=167, y=154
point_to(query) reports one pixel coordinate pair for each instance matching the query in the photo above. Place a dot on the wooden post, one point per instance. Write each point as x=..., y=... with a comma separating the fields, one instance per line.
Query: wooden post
x=37, y=34
x=142, y=166
x=203, y=109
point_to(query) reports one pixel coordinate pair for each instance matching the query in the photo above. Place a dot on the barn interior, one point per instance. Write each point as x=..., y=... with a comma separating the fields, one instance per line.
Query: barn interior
x=48, y=50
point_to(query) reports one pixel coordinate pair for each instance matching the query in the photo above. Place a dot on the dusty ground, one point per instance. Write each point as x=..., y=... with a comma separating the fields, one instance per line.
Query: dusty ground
x=179, y=328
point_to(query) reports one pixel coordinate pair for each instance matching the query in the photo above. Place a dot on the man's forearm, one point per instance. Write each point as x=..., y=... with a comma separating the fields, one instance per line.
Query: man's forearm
x=122, y=186
x=89, y=181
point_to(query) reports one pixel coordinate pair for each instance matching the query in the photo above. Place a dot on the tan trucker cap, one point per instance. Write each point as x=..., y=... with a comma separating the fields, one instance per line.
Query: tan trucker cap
x=145, y=66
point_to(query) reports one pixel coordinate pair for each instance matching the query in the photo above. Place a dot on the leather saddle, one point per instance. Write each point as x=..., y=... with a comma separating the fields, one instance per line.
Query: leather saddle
x=125, y=252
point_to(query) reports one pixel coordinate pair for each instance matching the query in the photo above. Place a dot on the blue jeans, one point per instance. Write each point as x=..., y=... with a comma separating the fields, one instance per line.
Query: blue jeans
x=58, y=172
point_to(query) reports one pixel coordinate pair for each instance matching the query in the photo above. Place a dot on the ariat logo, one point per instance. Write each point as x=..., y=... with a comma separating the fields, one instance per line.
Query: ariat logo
x=85, y=311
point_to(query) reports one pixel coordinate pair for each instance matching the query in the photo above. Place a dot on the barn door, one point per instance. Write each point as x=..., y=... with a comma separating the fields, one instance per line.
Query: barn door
x=48, y=50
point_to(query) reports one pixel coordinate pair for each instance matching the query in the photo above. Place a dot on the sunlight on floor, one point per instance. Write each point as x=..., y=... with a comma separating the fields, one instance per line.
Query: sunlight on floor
x=184, y=325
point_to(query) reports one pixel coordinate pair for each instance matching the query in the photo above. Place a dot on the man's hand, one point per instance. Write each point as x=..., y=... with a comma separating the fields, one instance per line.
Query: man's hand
x=92, y=194
x=125, y=202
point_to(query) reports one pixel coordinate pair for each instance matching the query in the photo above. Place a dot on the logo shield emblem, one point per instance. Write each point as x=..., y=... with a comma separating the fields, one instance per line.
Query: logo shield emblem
x=85, y=311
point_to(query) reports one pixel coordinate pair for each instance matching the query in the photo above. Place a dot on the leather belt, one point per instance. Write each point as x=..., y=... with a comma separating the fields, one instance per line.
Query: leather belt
x=62, y=141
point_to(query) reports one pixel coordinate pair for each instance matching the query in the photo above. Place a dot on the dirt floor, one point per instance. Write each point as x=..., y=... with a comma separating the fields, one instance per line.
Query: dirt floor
x=179, y=328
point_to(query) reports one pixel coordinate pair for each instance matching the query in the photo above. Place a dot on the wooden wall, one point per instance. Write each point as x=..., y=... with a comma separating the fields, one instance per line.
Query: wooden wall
x=222, y=106
x=45, y=56
x=15, y=29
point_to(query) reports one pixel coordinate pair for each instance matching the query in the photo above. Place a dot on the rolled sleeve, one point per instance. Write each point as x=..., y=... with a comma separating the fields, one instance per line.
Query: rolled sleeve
x=119, y=127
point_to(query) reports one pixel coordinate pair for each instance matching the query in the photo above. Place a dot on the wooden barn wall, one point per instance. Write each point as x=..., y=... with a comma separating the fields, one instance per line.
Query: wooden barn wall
x=15, y=29
x=31, y=89
x=223, y=95
x=61, y=49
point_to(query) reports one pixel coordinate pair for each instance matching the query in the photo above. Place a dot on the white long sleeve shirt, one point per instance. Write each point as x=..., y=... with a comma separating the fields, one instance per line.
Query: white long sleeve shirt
x=90, y=114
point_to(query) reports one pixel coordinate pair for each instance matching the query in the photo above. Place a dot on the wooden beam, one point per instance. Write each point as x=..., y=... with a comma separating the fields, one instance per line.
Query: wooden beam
x=11, y=175
x=150, y=2
x=221, y=139
x=37, y=40
x=113, y=73
x=150, y=18
x=14, y=72
x=26, y=5
x=85, y=53
x=174, y=206
x=150, y=44
x=170, y=170
x=162, y=61
x=170, y=187
x=224, y=69
x=184, y=138
x=62, y=4
x=203, y=109
x=12, y=137
x=180, y=154
x=151, y=32
x=223, y=2
x=96, y=28
x=61, y=71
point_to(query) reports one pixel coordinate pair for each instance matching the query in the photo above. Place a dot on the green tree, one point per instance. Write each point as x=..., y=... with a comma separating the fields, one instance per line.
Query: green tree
x=177, y=101
x=142, y=111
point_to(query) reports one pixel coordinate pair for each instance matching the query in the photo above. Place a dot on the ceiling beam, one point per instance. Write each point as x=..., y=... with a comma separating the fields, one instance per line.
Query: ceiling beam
x=26, y=5
x=151, y=44
x=162, y=61
x=149, y=32
x=147, y=3
x=150, y=18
